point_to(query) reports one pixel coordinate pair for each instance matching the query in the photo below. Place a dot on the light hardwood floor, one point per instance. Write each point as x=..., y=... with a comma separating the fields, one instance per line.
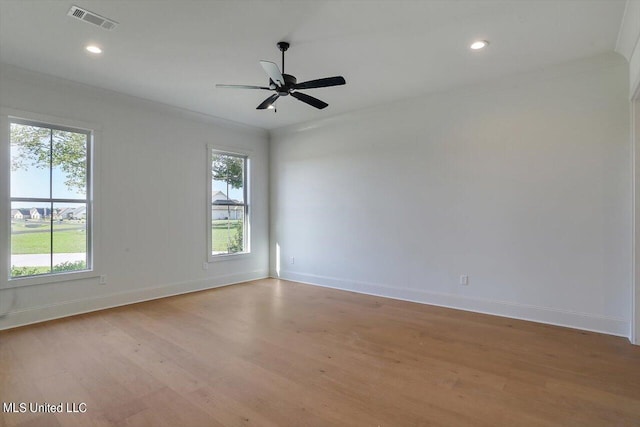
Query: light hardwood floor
x=277, y=353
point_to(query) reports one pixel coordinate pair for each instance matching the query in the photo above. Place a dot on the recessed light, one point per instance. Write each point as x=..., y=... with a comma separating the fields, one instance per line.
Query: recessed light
x=93, y=49
x=479, y=44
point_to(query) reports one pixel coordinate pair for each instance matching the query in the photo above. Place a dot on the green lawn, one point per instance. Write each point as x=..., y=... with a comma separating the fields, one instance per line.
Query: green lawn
x=64, y=241
x=221, y=235
x=44, y=226
x=74, y=241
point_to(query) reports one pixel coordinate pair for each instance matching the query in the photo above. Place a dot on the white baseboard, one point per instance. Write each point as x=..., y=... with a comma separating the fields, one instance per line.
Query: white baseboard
x=571, y=319
x=69, y=308
x=584, y=321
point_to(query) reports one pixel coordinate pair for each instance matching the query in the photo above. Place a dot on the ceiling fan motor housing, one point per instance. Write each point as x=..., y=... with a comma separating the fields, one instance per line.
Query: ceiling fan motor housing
x=289, y=82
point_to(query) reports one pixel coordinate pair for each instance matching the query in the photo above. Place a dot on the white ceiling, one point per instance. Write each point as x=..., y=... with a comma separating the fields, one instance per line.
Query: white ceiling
x=176, y=51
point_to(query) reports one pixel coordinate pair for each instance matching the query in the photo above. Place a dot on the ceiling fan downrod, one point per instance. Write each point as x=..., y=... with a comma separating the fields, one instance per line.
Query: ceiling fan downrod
x=283, y=46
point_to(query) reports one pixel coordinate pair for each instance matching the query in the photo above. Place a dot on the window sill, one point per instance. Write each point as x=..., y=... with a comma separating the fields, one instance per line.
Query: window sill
x=17, y=282
x=228, y=257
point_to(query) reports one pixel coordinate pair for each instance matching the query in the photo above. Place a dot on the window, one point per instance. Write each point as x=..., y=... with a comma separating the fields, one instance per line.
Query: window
x=50, y=195
x=229, y=211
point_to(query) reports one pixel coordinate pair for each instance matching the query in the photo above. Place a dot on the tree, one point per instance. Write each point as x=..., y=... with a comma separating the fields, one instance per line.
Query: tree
x=228, y=169
x=45, y=148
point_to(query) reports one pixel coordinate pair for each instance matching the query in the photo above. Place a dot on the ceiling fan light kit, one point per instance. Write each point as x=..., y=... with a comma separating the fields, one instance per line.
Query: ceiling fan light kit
x=286, y=84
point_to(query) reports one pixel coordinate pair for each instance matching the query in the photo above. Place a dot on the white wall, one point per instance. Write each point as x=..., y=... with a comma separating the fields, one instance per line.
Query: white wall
x=152, y=165
x=524, y=184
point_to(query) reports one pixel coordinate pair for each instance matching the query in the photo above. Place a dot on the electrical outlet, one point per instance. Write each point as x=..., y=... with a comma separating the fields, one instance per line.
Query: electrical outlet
x=103, y=280
x=464, y=280
x=292, y=260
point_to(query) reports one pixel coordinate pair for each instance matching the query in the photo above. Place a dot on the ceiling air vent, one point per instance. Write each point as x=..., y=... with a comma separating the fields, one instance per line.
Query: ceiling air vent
x=92, y=18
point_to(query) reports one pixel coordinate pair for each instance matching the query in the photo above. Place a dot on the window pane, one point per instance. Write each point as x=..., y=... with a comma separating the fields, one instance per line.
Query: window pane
x=69, y=165
x=30, y=239
x=227, y=178
x=69, y=237
x=48, y=236
x=30, y=155
x=227, y=229
x=228, y=182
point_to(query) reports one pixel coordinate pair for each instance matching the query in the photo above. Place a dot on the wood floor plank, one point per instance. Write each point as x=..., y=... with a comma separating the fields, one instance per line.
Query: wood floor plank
x=278, y=353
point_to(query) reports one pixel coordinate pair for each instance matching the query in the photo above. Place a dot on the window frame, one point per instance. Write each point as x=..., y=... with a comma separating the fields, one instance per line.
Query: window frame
x=215, y=149
x=8, y=116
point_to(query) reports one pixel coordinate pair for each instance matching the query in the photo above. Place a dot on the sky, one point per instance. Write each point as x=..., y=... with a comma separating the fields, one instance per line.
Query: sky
x=34, y=182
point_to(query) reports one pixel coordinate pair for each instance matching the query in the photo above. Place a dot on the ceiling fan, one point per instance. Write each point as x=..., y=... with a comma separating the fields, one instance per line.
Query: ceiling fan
x=286, y=84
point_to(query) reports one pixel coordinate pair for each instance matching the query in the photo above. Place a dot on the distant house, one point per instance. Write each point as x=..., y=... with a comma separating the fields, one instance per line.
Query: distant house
x=65, y=213
x=70, y=213
x=224, y=208
x=78, y=213
x=40, y=213
x=20, y=213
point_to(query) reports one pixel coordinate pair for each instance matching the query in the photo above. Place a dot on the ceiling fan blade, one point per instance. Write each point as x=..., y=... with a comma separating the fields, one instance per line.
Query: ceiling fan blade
x=242, y=87
x=273, y=72
x=315, y=102
x=326, y=82
x=267, y=102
